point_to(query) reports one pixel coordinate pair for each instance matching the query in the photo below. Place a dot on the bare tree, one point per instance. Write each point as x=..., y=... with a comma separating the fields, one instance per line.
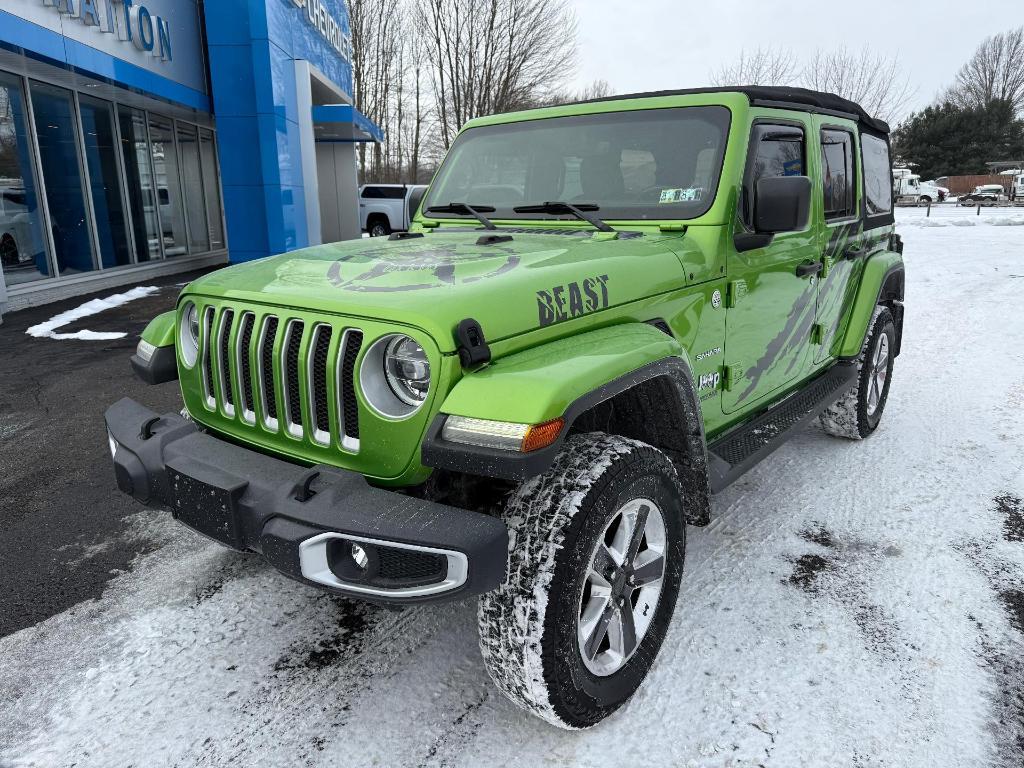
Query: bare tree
x=765, y=66
x=598, y=89
x=874, y=81
x=995, y=71
x=376, y=64
x=490, y=56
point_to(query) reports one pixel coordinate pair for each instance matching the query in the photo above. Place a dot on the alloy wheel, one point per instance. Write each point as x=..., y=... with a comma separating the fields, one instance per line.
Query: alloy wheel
x=879, y=373
x=622, y=587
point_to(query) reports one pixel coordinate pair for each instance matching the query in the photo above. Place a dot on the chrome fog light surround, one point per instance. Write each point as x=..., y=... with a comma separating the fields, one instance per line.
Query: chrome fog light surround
x=315, y=566
x=376, y=380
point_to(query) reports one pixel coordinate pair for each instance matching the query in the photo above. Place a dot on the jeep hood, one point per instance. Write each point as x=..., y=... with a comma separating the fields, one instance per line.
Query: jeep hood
x=432, y=282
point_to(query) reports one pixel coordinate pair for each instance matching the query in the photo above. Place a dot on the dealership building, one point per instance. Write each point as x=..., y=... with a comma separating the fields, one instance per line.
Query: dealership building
x=146, y=137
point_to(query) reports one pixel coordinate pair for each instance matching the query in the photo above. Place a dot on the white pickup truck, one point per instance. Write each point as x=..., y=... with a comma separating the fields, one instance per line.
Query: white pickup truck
x=387, y=208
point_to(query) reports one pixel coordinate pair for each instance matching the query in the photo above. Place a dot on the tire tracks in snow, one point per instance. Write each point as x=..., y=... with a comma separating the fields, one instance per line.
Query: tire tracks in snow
x=1001, y=632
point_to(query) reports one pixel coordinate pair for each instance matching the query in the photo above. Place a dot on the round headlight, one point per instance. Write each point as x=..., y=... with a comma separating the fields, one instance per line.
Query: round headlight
x=407, y=370
x=188, y=335
x=394, y=376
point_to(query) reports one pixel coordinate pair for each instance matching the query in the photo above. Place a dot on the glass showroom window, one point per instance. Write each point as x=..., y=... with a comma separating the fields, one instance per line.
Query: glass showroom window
x=22, y=247
x=168, y=186
x=54, y=112
x=100, y=142
x=192, y=177
x=208, y=153
x=139, y=181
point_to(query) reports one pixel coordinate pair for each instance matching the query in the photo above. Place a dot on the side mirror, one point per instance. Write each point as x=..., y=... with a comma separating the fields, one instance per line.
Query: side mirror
x=782, y=204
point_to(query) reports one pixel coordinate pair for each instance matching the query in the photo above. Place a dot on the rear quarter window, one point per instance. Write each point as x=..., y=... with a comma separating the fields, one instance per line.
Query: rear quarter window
x=877, y=175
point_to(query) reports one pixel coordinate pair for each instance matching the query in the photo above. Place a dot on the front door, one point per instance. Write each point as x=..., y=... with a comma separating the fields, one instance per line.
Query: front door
x=771, y=294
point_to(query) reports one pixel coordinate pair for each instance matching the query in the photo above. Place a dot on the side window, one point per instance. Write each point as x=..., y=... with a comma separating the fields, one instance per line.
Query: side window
x=837, y=174
x=877, y=175
x=393, y=193
x=776, y=150
x=415, y=199
x=372, y=193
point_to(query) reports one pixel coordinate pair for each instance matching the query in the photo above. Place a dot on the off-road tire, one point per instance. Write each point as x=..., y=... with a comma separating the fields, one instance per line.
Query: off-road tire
x=851, y=416
x=528, y=627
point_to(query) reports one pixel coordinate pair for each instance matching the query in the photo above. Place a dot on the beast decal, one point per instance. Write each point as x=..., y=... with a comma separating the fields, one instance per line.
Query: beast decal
x=565, y=302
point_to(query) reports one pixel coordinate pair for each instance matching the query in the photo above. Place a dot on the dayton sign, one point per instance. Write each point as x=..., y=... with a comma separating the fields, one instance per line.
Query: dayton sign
x=130, y=22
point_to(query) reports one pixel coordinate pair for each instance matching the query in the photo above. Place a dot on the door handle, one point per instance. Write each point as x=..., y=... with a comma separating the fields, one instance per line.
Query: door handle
x=812, y=268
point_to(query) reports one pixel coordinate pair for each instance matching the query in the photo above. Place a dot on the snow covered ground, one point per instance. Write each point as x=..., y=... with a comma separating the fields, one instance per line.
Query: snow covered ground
x=851, y=604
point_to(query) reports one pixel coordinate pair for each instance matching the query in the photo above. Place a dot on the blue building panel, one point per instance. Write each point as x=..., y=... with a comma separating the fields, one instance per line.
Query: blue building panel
x=252, y=49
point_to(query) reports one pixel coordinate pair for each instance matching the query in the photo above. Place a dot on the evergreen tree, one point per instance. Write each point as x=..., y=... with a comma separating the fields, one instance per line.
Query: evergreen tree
x=951, y=140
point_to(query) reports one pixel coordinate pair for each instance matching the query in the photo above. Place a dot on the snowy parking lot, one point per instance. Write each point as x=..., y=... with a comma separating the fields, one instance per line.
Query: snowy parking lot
x=851, y=604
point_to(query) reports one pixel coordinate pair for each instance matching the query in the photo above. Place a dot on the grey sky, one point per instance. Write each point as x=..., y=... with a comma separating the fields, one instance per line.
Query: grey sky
x=657, y=44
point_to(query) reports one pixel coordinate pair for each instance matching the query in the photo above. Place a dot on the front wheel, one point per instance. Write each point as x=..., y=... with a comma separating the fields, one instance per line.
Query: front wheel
x=595, y=560
x=858, y=413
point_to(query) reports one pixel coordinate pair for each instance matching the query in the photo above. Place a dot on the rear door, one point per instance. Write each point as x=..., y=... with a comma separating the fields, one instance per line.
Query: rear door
x=771, y=306
x=843, y=254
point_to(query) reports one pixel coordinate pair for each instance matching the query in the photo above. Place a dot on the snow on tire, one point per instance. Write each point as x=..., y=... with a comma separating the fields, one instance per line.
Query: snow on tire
x=857, y=413
x=601, y=530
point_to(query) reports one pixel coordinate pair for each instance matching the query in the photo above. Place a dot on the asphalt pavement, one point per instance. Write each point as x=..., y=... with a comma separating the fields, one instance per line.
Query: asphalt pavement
x=61, y=516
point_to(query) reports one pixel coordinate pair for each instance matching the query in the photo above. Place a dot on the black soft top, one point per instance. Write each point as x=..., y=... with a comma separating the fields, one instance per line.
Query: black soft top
x=801, y=99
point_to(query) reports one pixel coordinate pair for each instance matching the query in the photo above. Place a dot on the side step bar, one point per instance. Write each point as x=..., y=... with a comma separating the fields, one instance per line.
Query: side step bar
x=737, y=451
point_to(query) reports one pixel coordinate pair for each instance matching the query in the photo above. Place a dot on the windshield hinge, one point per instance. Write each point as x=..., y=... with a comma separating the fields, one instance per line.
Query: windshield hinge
x=672, y=227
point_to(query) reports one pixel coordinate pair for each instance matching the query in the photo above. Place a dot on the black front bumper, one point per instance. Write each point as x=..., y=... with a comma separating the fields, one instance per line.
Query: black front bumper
x=304, y=520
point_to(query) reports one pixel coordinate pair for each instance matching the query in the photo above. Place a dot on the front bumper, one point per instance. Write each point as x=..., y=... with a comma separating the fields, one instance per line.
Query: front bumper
x=307, y=522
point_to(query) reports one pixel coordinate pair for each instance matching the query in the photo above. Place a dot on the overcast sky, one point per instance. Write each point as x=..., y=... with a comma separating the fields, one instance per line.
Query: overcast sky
x=643, y=45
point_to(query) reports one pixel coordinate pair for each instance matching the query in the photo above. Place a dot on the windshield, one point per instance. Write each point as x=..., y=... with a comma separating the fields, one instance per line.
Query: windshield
x=649, y=164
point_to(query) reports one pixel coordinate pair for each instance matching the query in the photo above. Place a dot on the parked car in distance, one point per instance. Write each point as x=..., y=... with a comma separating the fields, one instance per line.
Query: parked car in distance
x=986, y=194
x=387, y=208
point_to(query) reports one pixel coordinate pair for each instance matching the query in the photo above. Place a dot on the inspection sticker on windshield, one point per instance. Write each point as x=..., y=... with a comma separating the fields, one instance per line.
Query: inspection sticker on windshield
x=680, y=195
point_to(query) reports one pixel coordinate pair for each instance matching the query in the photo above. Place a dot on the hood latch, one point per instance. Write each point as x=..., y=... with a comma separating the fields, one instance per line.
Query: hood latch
x=473, y=349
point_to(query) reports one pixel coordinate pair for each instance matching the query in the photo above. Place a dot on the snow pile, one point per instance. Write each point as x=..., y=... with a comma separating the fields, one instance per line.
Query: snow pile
x=94, y=307
x=851, y=604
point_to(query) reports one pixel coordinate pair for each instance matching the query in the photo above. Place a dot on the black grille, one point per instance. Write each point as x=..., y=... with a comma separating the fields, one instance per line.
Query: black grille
x=291, y=372
x=267, y=366
x=406, y=565
x=244, y=360
x=225, y=355
x=349, y=407
x=208, y=351
x=320, y=406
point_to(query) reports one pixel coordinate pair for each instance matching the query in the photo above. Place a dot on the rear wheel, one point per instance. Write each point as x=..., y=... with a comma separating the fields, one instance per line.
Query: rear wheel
x=858, y=413
x=379, y=228
x=595, y=561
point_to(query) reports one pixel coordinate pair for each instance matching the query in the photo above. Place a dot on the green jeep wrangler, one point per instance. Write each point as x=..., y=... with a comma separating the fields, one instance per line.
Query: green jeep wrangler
x=603, y=314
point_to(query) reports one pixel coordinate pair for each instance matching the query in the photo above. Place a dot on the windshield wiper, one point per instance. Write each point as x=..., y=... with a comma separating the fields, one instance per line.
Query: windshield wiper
x=465, y=208
x=579, y=211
